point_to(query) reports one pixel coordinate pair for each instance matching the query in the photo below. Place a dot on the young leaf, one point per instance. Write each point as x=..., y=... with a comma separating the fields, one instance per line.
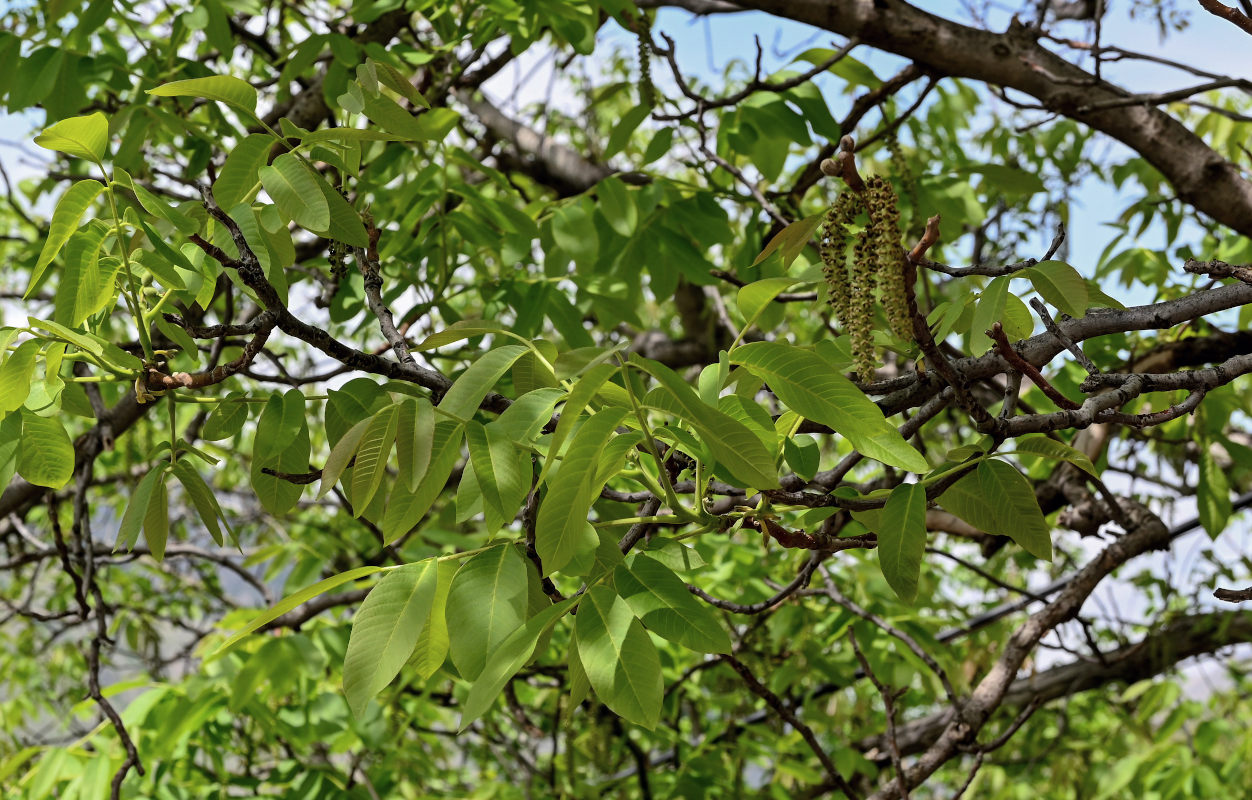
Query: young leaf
x=1040, y=445
x=415, y=433
x=296, y=193
x=46, y=457
x=202, y=498
x=472, y=386
x=64, y=222
x=385, y=630
x=902, y=539
x=82, y=137
x=432, y=643
x=222, y=88
x=242, y=169
x=507, y=659
x=660, y=600
x=1212, y=495
x=791, y=240
x=1060, y=285
x=802, y=380
x=371, y=457
x=502, y=471
x=406, y=508
x=561, y=530
x=156, y=520
x=227, y=419
x=999, y=500
x=620, y=660
x=287, y=604
x=486, y=604
x=579, y=397
x=282, y=445
x=16, y=374
x=137, y=508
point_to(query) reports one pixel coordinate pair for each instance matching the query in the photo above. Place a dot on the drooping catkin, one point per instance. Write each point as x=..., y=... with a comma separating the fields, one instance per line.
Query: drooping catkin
x=884, y=236
x=647, y=91
x=833, y=247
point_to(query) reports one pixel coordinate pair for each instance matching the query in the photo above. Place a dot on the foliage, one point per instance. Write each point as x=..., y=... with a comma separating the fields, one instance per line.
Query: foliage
x=363, y=439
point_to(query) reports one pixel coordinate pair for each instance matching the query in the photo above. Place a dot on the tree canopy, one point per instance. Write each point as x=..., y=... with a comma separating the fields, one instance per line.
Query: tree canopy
x=407, y=398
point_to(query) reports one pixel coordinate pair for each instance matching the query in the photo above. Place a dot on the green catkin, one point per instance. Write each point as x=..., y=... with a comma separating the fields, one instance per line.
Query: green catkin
x=908, y=182
x=884, y=236
x=833, y=249
x=863, y=276
x=647, y=91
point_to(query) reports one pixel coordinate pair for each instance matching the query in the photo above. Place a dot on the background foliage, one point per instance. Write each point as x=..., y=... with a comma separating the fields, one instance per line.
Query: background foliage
x=366, y=436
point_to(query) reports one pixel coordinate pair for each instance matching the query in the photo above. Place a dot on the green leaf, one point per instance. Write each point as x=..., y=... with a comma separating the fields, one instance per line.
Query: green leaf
x=64, y=222
x=371, y=457
x=222, y=88
x=341, y=455
x=242, y=169
x=660, y=600
x=82, y=137
x=791, y=240
x=732, y=443
x=1212, y=495
x=579, y=397
x=296, y=192
x=46, y=455
x=87, y=282
x=902, y=539
x=406, y=508
x=507, y=659
x=756, y=296
x=385, y=630
x=460, y=331
x=415, y=433
x=281, y=444
x=1040, y=445
x=227, y=419
x=156, y=520
x=431, y=649
x=16, y=374
x=486, y=604
x=137, y=508
x=345, y=223
x=807, y=385
x=617, y=207
x=468, y=391
x=620, y=660
x=287, y=604
x=990, y=309
x=998, y=499
x=203, y=498
x=1060, y=285
x=562, y=534
x=625, y=126
x=503, y=473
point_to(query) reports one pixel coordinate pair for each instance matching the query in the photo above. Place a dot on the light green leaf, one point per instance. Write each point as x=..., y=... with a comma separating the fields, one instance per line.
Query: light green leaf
x=733, y=444
x=791, y=240
x=137, y=508
x=281, y=444
x=998, y=499
x=352, y=135
x=64, y=222
x=459, y=331
x=341, y=455
x=579, y=397
x=345, y=223
x=227, y=419
x=87, y=282
x=46, y=457
x=432, y=643
x=1040, y=445
x=503, y=473
x=902, y=539
x=806, y=384
x=507, y=659
x=406, y=508
x=287, y=604
x=296, y=193
x=16, y=374
x=1212, y=495
x=617, y=207
x=990, y=309
x=385, y=630
x=625, y=126
x=1060, y=285
x=203, y=498
x=242, y=169
x=415, y=433
x=223, y=88
x=660, y=600
x=82, y=137
x=486, y=604
x=561, y=530
x=468, y=391
x=371, y=457
x=619, y=659
x=156, y=520
x=756, y=296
